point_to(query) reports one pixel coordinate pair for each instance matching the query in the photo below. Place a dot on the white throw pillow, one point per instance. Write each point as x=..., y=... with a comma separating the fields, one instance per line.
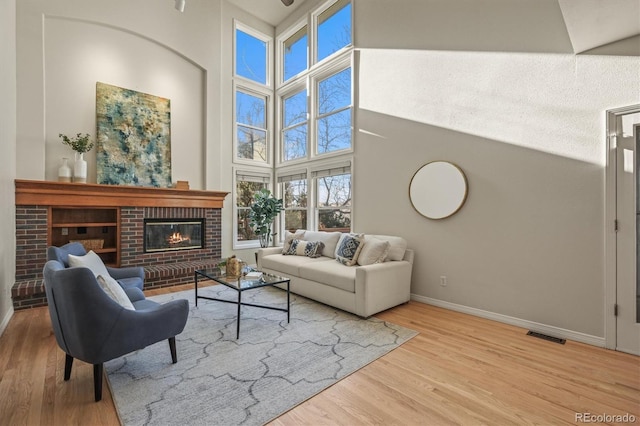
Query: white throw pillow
x=329, y=239
x=114, y=291
x=373, y=251
x=397, y=246
x=91, y=261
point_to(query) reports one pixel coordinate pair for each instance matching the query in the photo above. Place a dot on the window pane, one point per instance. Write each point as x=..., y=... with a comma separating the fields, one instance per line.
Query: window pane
x=334, y=29
x=252, y=143
x=295, y=219
x=295, y=54
x=295, y=193
x=244, y=198
x=251, y=109
x=251, y=57
x=245, y=191
x=334, y=220
x=295, y=109
x=334, y=92
x=334, y=132
x=334, y=191
x=245, y=233
x=295, y=143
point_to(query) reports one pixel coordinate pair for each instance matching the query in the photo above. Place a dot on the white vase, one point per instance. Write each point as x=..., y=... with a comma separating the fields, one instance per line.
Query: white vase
x=80, y=169
x=64, y=172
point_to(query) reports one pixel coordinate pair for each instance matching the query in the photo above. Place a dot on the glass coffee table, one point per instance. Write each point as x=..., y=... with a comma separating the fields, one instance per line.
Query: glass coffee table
x=241, y=284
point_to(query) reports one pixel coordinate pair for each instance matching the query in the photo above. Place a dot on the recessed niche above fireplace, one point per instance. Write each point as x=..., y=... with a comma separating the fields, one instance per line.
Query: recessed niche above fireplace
x=173, y=234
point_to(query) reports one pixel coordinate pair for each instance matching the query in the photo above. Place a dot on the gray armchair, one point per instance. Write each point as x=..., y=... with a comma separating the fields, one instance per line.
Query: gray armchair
x=90, y=326
x=128, y=277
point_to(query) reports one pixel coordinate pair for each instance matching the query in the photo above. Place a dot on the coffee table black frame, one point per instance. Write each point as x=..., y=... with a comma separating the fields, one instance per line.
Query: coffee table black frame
x=241, y=284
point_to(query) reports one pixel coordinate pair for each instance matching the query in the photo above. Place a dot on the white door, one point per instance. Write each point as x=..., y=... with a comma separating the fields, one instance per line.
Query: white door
x=628, y=223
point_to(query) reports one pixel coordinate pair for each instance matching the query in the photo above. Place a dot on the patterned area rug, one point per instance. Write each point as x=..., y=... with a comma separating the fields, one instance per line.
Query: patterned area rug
x=271, y=368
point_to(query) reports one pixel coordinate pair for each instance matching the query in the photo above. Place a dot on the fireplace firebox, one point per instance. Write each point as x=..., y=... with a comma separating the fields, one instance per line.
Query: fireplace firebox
x=173, y=234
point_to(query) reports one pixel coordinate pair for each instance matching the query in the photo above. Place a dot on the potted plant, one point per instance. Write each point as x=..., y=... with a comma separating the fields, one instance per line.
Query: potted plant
x=264, y=209
x=80, y=144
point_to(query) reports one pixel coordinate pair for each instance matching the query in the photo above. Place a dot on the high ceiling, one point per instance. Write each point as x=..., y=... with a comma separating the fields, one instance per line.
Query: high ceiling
x=271, y=11
x=589, y=23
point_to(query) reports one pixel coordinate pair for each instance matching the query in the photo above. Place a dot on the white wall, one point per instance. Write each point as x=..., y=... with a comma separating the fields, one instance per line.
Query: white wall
x=528, y=129
x=8, y=147
x=65, y=47
x=504, y=100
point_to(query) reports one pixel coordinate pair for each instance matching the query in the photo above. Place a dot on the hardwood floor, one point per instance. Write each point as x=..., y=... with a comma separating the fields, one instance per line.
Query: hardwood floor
x=460, y=369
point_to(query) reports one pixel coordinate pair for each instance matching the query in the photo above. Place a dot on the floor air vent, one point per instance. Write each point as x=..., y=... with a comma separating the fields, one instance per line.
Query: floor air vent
x=545, y=337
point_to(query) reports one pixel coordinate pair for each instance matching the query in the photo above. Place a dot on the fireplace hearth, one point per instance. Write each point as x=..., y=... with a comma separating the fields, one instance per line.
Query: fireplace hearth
x=173, y=234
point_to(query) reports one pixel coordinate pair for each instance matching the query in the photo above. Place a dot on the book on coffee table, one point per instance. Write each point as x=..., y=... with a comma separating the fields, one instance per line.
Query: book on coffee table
x=254, y=275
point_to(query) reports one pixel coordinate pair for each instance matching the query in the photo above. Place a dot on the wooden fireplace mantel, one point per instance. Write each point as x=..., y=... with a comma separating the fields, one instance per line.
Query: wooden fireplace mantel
x=33, y=192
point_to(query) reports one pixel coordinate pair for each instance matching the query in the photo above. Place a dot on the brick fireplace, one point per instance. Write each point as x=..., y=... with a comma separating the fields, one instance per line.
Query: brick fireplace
x=34, y=230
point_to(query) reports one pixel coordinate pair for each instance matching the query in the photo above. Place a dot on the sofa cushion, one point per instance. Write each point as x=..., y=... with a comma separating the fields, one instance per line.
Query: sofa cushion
x=373, y=251
x=289, y=265
x=397, y=246
x=332, y=273
x=330, y=240
x=289, y=237
x=348, y=248
x=305, y=248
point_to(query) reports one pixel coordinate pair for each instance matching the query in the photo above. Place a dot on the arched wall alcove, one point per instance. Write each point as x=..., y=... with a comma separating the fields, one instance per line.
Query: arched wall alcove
x=80, y=53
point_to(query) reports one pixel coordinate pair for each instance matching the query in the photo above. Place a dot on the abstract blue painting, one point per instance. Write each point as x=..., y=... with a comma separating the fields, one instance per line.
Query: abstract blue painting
x=134, y=137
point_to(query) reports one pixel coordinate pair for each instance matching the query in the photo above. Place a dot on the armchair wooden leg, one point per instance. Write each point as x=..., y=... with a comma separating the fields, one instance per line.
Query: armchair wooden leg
x=97, y=381
x=68, y=363
x=172, y=346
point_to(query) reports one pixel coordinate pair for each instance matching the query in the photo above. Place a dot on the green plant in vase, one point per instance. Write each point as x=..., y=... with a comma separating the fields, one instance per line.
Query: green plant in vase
x=264, y=209
x=80, y=144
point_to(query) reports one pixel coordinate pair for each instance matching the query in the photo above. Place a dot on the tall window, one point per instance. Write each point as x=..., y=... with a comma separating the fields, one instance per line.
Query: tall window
x=253, y=119
x=333, y=29
x=251, y=56
x=295, y=126
x=333, y=198
x=315, y=108
x=251, y=126
x=252, y=96
x=334, y=113
x=294, y=192
x=295, y=54
x=247, y=184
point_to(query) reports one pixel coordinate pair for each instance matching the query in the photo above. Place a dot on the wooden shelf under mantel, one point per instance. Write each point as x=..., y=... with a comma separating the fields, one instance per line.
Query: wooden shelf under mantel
x=49, y=193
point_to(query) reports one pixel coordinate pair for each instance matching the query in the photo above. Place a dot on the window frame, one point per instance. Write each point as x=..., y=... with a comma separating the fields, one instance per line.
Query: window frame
x=310, y=170
x=303, y=174
x=268, y=120
x=342, y=63
x=267, y=179
x=292, y=90
x=314, y=18
x=268, y=40
x=326, y=170
x=280, y=49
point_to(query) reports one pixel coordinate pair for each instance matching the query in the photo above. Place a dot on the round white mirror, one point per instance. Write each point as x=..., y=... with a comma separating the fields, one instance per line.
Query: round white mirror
x=438, y=189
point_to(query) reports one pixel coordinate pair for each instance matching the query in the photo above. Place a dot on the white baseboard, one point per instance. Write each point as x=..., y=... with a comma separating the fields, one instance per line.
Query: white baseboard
x=518, y=322
x=5, y=320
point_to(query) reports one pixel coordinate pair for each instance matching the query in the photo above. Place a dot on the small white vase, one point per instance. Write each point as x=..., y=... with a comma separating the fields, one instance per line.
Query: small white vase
x=64, y=172
x=80, y=169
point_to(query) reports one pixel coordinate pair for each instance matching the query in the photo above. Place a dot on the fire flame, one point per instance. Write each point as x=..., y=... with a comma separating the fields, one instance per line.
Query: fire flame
x=177, y=238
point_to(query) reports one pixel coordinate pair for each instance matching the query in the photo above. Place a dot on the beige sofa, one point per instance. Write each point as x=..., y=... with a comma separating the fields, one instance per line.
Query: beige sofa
x=363, y=289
